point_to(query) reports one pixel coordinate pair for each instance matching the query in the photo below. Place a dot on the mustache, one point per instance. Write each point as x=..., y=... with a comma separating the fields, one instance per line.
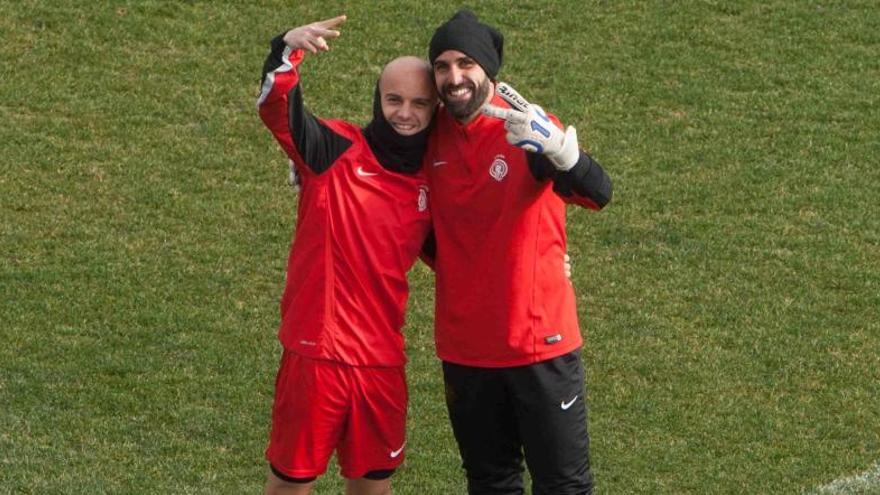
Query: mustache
x=452, y=87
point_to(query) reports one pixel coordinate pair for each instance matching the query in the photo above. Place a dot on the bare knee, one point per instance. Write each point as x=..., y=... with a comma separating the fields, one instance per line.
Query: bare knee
x=364, y=486
x=275, y=485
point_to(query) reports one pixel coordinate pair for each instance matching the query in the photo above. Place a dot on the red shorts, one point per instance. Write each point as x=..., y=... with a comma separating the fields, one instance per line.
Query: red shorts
x=322, y=406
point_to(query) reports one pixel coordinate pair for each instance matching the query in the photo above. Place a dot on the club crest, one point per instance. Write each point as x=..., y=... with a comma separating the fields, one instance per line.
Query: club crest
x=498, y=169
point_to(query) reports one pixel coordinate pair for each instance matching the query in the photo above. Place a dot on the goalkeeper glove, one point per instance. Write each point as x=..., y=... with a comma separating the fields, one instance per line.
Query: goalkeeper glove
x=529, y=127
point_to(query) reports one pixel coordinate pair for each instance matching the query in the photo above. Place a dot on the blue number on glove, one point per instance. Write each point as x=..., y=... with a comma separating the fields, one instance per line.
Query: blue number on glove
x=534, y=146
x=529, y=145
x=539, y=128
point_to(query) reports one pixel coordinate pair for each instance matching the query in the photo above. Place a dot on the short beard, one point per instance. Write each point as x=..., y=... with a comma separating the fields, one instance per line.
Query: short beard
x=463, y=110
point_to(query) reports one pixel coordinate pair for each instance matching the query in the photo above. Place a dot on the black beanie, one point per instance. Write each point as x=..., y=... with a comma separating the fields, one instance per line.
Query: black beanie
x=465, y=33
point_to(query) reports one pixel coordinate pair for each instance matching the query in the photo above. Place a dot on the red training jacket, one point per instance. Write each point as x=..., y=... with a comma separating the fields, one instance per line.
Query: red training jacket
x=359, y=229
x=502, y=298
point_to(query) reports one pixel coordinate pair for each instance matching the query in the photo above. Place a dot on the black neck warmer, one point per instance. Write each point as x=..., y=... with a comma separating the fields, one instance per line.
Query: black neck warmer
x=395, y=152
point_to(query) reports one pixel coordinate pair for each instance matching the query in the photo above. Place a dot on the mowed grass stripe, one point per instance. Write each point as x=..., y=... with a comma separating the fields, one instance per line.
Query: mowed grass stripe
x=728, y=294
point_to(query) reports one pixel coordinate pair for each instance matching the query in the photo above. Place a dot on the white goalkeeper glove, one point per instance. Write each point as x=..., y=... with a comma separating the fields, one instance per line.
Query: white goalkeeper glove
x=529, y=128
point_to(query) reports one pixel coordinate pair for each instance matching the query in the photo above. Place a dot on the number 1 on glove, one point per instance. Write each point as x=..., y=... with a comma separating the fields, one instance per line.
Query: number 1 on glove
x=529, y=127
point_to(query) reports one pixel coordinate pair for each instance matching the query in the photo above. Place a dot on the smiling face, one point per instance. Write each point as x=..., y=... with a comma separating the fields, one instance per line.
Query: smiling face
x=407, y=96
x=462, y=84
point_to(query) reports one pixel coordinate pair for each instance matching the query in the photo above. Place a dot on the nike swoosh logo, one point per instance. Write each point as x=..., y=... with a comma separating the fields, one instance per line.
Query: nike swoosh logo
x=395, y=453
x=364, y=173
x=437, y=163
x=566, y=405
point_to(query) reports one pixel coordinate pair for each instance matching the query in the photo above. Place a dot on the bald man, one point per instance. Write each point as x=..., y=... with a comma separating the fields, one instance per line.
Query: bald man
x=362, y=218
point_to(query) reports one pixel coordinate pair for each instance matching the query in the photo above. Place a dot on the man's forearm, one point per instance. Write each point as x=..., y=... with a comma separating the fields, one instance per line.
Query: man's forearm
x=586, y=179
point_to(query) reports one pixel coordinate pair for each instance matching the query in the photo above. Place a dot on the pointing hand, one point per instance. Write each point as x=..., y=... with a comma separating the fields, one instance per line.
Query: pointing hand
x=313, y=37
x=529, y=127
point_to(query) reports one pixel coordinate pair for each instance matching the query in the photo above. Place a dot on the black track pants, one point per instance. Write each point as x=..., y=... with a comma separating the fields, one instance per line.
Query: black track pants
x=539, y=411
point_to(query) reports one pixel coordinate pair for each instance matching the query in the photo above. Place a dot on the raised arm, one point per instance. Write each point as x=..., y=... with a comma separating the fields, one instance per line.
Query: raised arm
x=311, y=145
x=553, y=153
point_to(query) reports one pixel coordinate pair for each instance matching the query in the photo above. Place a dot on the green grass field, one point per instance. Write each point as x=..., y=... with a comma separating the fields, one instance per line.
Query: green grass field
x=730, y=294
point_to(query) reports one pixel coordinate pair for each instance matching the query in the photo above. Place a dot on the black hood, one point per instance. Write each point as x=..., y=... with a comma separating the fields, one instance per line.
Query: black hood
x=395, y=152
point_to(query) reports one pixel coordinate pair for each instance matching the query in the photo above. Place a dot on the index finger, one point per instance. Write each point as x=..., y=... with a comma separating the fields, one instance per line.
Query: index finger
x=511, y=96
x=332, y=22
x=326, y=33
x=508, y=114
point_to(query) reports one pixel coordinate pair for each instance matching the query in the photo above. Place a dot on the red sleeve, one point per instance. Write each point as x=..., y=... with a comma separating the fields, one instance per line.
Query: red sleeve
x=312, y=145
x=280, y=76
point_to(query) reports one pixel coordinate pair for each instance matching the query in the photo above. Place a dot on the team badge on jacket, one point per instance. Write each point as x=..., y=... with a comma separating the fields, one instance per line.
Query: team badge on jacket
x=423, y=198
x=498, y=169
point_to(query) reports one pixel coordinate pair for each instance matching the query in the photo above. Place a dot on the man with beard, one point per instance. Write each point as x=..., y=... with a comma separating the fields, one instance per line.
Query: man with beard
x=505, y=319
x=361, y=221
